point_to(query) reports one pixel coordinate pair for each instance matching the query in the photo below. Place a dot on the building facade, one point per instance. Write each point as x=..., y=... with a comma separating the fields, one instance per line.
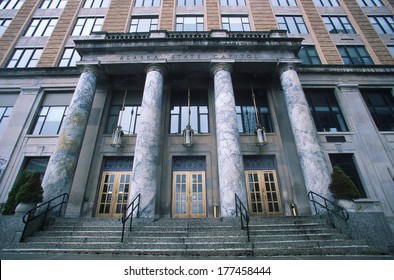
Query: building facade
x=317, y=75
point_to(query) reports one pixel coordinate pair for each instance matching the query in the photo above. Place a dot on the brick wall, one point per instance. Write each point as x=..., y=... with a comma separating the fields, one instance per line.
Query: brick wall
x=118, y=16
x=167, y=15
x=213, y=14
x=262, y=14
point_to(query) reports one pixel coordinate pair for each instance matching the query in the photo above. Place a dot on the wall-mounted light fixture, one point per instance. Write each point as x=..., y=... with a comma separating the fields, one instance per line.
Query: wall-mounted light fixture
x=117, y=134
x=260, y=130
x=188, y=131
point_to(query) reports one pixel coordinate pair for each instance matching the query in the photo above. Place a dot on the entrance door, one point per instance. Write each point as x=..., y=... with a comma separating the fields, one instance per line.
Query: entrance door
x=114, y=193
x=189, y=198
x=263, y=193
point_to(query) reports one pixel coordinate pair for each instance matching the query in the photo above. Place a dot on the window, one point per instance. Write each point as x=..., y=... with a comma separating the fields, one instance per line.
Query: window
x=11, y=4
x=309, y=55
x=25, y=58
x=199, y=117
x=232, y=3
x=293, y=24
x=355, y=55
x=391, y=50
x=130, y=115
x=346, y=163
x=284, y=3
x=4, y=23
x=370, y=3
x=85, y=26
x=96, y=4
x=383, y=24
x=147, y=3
x=380, y=103
x=236, y=23
x=246, y=116
x=190, y=23
x=327, y=3
x=5, y=112
x=189, y=2
x=53, y=4
x=325, y=110
x=69, y=58
x=38, y=164
x=338, y=24
x=143, y=24
x=41, y=27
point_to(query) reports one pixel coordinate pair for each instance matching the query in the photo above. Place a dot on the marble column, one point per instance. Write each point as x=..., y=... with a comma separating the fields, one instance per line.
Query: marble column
x=147, y=148
x=62, y=163
x=313, y=163
x=230, y=162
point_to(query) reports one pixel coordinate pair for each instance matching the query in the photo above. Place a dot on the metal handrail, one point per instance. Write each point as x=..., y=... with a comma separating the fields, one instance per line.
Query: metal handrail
x=330, y=206
x=125, y=217
x=244, y=215
x=31, y=215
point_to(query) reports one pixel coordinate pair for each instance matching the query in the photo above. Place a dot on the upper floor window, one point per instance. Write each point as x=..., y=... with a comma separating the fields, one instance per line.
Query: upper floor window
x=338, y=24
x=69, y=58
x=327, y=3
x=5, y=112
x=370, y=3
x=309, y=55
x=380, y=103
x=293, y=24
x=189, y=2
x=52, y=114
x=232, y=3
x=144, y=24
x=96, y=4
x=53, y=4
x=190, y=23
x=40, y=27
x=11, y=4
x=4, y=23
x=236, y=23
x=383, y=24
x=87, y=25
x=284, y=3
x=356, y=55
x=246, y=115
x=23, y=58
x=199, y=116
x=147, y=3
x=391, y=50
x=325, y=110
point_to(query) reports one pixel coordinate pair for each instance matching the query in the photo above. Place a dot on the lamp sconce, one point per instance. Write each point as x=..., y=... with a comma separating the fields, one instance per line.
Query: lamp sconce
x=117, y=137
x=188, y=136
x=261, y=136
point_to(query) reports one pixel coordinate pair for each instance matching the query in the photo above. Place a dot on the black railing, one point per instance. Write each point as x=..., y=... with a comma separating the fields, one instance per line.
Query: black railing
x=329, y=206
x=135, y=204
x=244, y=215
x=41, y=211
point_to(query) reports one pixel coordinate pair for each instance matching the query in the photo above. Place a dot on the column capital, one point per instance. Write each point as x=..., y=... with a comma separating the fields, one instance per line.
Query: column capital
x=93, y=67
x=283, y=66
x=348, y=86
x=225, y=66
x=158, y=67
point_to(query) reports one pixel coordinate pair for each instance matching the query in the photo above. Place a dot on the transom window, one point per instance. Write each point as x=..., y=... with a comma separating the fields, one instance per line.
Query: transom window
x=144, y=24
x=41, y=27
x=293, y=24
x=5, y=112
x=355, y=55
x=370, y=3
x=53, y=4
x=96, y=4
x=147, y=3
x=190, y=23
x=327, y=3
x=69, y=58
x=246, y=116
x=291, y=3
x=49, y=120
x=338, y=24
x=199, y=116
x=383, y=24
x=25, y=58
x=325, y=110
x=85, y=26
x=189, y=2
x=380, y=104
x=232, y=3
x=4, y=23
x=236, y=23
x=309, y=55
x=11, y=4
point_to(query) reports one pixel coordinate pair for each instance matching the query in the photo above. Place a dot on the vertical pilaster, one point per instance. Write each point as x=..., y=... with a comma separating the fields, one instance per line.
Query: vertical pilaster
x=61, y=167
x=230, y=163
x=146, y=158
x=313, y=163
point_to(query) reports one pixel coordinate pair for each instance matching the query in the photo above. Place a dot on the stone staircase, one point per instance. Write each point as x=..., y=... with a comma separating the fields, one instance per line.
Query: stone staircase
x=284, y=236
